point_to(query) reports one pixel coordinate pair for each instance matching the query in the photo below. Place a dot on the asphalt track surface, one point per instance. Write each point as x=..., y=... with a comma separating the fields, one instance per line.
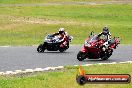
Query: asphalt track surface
x=26, y=57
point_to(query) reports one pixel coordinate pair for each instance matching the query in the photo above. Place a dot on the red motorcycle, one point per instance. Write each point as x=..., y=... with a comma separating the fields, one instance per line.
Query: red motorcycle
x=93, y=48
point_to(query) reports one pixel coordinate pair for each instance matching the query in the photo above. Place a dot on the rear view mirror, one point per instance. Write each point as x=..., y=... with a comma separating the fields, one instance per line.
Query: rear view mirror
x=92, y=33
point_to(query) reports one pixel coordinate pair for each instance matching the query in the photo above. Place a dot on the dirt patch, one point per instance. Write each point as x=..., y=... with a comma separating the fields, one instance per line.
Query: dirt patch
x=31, y=20
x=10, y=26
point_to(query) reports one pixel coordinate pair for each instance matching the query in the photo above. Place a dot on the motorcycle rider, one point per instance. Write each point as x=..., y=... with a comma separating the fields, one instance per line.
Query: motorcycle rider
x=64, y=35
x=60, y=32
x=107, y=36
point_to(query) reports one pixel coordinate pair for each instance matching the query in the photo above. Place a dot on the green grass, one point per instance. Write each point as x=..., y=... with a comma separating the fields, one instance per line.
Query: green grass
x=78, y=20
x=44, y=1
x=66, y=78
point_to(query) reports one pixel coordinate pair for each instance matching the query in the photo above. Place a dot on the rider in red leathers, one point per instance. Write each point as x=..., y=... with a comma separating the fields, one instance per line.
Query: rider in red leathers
x=64, y=36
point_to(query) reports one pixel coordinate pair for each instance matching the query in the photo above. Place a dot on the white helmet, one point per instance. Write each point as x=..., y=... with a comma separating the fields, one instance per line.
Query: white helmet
x=61, y=30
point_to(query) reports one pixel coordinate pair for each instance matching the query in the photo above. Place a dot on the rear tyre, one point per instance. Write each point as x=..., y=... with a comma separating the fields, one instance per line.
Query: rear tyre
x=104, y=57
x=40, y=48
x=80, y=56
x=61, y=49
x=110, y=52
x=107, y=54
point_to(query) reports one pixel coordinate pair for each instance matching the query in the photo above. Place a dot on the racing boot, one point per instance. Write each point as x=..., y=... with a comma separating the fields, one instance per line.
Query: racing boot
x=105, y=46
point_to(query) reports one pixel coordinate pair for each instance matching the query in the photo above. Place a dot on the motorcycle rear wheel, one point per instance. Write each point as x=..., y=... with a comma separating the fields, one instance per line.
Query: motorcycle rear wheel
x=61, y=50
x=104, y=58
x=107, y=55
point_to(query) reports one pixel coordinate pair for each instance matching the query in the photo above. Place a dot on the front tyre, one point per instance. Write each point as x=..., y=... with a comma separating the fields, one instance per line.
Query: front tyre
x=80, y=56
x=40, y=48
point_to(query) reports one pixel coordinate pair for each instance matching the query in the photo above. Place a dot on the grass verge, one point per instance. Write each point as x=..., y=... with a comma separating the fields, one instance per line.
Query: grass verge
x=45, y=1
x=28, y=25
x=66, y=78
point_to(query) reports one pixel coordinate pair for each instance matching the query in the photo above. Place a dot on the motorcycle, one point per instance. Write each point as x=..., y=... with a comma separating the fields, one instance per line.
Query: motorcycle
x=55, y=43
x=93, y=48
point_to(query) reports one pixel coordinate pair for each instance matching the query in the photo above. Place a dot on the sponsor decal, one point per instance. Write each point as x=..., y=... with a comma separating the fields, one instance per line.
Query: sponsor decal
x=83, y=78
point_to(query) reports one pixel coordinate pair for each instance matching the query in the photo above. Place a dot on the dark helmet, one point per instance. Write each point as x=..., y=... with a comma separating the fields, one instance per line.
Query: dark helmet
x=105, y=30
x=61, y=30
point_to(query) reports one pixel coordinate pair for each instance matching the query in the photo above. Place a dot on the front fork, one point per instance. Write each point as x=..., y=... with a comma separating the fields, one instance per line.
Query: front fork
x=84, y=51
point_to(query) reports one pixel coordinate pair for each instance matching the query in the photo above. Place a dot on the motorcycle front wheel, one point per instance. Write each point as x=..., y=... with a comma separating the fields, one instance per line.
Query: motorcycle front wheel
x=40, y=48
x=80, y=56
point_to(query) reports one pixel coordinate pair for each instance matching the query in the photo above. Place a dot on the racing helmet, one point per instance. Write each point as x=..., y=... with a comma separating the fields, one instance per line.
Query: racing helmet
x=61, y=30
x=105, y=30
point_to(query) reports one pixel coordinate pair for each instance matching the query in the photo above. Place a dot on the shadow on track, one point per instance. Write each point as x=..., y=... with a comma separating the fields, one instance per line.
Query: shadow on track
x=98, y=60
x=55, y=52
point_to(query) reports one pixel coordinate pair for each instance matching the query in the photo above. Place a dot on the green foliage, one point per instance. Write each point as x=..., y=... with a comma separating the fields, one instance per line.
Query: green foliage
x=27, y=25
x=42, y=1
x=66, y=78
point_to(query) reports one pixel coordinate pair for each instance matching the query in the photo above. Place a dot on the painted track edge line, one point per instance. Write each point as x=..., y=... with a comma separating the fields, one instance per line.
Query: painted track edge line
x=52, y=68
